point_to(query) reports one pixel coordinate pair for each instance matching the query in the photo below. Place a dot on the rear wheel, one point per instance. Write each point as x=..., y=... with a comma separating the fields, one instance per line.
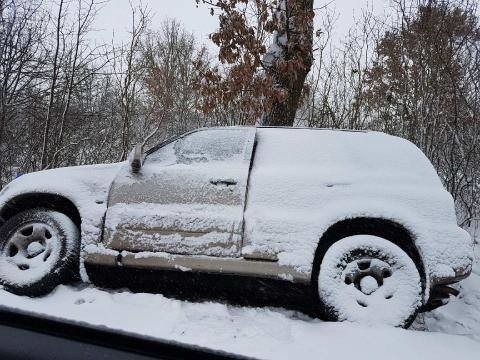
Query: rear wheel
x=369, y=280
x=39, y=249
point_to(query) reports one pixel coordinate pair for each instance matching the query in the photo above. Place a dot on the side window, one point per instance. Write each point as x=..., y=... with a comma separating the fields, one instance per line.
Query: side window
x=205, y=146
x=163, y=156
x=212, y=145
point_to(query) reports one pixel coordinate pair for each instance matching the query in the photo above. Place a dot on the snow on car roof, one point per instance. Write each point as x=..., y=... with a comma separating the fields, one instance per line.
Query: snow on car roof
x=173, y=138
x=334, y=151
x=357, y=150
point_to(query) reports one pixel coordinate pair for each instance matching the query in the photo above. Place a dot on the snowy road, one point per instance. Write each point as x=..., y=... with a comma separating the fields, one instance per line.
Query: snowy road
x=453, y=331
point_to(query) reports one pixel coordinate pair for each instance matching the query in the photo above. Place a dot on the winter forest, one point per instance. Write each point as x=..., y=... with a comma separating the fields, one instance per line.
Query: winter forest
x=67, y=100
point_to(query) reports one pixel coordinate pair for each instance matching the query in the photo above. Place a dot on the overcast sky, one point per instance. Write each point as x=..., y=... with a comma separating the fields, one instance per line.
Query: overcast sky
x=115, y=16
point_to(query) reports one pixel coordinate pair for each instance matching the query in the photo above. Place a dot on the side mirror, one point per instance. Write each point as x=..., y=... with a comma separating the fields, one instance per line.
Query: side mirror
x=136, y=158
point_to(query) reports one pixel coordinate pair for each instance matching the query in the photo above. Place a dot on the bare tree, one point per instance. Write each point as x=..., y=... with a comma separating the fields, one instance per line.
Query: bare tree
x=55, y=69
x=84, y=19
x=22, y=29
x=423, y=85
x=169, y=56
x=128, y=72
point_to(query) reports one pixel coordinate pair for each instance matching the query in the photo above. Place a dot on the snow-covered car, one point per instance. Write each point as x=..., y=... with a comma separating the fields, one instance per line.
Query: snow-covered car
x=361, y=218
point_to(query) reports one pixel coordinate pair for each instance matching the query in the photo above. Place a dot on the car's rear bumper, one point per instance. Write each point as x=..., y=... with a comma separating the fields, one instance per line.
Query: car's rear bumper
x=441, y=291
x=460, y=274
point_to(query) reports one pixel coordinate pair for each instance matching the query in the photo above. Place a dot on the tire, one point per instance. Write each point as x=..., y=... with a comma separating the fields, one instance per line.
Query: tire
x=369, y=280
x=39, y=249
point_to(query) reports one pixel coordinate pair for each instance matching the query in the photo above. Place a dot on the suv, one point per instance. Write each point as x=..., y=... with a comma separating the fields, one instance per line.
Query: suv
x=361, y=218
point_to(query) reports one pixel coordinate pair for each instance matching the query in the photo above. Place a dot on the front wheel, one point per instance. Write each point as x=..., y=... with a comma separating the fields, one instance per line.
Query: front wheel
x=39, y=250
x=369, y=280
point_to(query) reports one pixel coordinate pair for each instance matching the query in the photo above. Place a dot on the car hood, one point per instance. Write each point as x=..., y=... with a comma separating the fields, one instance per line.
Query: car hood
x=75, y=183
x=85, y=186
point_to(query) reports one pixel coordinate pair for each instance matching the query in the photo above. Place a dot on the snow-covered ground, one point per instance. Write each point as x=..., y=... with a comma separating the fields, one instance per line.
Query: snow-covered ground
x=452, y=331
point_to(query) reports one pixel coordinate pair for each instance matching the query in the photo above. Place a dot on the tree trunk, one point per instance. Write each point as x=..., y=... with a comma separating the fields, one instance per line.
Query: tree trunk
x=45, y=141
x=293, y=59
x=283, y=112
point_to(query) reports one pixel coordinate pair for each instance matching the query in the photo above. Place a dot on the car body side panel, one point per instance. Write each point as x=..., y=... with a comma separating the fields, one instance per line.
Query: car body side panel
x=300, y=185
x=186, y=199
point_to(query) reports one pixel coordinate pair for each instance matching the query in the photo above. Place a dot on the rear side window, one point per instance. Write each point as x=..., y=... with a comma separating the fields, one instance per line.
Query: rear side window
x=206, y=145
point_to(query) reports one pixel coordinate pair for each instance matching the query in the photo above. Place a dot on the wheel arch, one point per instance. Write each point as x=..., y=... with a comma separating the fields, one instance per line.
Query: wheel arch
x=49, y=201
x=381, y=227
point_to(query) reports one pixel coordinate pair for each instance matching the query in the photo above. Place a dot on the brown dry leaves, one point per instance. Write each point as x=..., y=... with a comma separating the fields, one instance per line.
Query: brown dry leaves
x=243, y=76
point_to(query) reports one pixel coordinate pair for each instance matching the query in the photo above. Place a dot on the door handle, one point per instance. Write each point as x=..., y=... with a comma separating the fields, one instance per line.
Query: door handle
x=227, y=182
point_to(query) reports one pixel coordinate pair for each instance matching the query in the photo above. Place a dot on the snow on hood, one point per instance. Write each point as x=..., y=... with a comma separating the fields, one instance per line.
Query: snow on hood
x=85, y=186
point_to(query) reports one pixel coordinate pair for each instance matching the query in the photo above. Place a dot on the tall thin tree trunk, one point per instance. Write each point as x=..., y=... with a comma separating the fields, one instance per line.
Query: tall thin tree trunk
x=44, y=156
x=81, y=24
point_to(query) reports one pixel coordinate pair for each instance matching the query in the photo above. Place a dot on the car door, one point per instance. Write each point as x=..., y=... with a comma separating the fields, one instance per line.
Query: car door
x=188, y=197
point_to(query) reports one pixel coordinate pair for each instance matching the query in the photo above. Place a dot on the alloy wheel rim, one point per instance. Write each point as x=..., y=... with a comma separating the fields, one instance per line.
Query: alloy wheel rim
x=367, y=274
x=369, y=279
x=31, y=247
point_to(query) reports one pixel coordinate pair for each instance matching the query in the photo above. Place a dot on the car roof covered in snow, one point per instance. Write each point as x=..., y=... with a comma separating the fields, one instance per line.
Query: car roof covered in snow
x=351, y=152
x=173, y=138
